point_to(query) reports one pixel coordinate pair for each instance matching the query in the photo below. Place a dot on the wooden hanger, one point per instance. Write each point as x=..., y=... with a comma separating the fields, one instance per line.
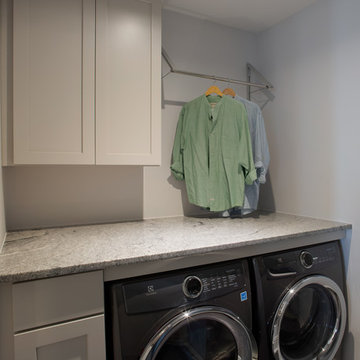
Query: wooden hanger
x=229, y=91
x=213, y=90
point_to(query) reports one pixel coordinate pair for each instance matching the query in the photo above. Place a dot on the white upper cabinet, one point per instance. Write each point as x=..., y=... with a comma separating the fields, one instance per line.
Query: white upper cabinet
x=128, y=80
x=86, y=82
x=54, y=57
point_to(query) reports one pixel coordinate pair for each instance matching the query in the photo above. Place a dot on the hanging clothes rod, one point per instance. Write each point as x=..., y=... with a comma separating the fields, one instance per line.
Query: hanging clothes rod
x=211, y=77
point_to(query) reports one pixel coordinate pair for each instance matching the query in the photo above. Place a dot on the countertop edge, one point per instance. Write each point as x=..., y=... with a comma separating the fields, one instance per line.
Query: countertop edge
x=136, y=266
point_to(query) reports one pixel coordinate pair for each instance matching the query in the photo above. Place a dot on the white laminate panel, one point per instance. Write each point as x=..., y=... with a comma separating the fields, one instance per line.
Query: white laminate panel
x=54, y=54
x=128, y=82
x=48, y=301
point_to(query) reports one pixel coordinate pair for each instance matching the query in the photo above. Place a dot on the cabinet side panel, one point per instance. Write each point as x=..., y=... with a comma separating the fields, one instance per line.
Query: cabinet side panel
x=6, y=81
x=6, y=323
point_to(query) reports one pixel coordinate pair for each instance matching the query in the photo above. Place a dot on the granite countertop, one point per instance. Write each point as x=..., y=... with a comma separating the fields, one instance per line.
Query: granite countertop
x=37, y=254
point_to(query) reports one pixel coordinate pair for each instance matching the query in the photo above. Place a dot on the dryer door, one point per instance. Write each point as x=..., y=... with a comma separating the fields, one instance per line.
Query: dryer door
x=310, y=321
x=202, y=333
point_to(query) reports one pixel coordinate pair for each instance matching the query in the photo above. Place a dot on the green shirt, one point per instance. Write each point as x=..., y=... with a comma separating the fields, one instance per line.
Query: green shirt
x=212, y=152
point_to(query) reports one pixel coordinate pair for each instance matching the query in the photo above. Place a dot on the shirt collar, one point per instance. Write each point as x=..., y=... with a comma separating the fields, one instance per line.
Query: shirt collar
x=214, y=112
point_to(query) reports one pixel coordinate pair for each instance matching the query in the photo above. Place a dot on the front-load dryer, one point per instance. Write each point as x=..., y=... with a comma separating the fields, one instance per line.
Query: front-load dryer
x=201, y=313
x=300, y=304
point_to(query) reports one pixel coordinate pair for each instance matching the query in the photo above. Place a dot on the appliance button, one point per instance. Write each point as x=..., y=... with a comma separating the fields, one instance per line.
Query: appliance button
x=306, y=259
x=192, y=287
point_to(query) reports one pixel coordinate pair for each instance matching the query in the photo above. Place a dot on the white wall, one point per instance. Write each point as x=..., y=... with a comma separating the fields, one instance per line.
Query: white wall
x=43, y=196
x=313, y=125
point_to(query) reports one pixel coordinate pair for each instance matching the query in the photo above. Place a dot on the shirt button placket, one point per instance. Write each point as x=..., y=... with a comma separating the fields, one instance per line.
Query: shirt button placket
x=211, y=170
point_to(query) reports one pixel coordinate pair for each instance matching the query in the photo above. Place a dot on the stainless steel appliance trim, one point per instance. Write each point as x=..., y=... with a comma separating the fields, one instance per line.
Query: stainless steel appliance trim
x=161, y=336
x=284, y=274
x=332, y=345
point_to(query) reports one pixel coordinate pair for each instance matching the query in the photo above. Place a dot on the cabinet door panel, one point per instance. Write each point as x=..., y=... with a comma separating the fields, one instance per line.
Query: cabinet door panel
x=54, y=300
x=54, y=55
x=74, y=349
x=128, y=82
x=80, y=339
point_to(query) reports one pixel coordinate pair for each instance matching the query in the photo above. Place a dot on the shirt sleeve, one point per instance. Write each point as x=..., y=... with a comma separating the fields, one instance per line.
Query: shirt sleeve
x=265, y=152
x=246, y=155
x=177, y=164
x=262, y=155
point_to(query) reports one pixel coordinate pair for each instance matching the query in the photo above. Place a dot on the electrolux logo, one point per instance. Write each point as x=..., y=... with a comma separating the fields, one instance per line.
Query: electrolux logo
x=150, y=290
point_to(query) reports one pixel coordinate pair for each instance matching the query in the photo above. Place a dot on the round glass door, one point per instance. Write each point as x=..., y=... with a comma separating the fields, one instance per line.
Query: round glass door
x=310, y=321
x=203, y=333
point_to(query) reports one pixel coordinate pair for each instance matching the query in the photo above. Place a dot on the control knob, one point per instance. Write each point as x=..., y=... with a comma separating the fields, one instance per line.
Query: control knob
x=306, y=259
x=192, y=287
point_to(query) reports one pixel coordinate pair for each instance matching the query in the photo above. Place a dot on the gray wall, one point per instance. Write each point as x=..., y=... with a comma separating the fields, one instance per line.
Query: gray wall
x=43, y=196
x=2, y=206
x=2, y=209
x=313, y=125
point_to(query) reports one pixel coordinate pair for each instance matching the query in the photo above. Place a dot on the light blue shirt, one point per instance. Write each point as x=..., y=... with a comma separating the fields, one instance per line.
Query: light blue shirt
x=261, y=156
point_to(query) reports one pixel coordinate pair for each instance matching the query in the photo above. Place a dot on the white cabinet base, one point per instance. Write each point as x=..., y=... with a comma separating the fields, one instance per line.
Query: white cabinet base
x=82, y=339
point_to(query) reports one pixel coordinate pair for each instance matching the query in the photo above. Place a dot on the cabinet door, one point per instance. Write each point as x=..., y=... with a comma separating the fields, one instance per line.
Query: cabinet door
x=80, y=339
x=128, y=80
x=54, y=62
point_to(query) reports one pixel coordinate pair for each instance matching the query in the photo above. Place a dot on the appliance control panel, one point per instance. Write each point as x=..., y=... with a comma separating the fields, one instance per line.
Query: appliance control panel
x=220, y=281
x=301, y=260
x=182, y=288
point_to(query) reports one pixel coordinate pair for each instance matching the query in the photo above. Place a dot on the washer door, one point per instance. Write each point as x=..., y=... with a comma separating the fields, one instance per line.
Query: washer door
x=310, y=321
x=202, y=333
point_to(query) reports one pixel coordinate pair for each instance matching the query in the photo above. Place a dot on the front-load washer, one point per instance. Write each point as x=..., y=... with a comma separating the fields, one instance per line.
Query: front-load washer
x=300, y=304
x=201, y=313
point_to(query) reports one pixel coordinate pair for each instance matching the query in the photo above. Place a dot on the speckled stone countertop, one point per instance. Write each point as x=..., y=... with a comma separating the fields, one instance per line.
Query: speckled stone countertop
x=37, y=254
